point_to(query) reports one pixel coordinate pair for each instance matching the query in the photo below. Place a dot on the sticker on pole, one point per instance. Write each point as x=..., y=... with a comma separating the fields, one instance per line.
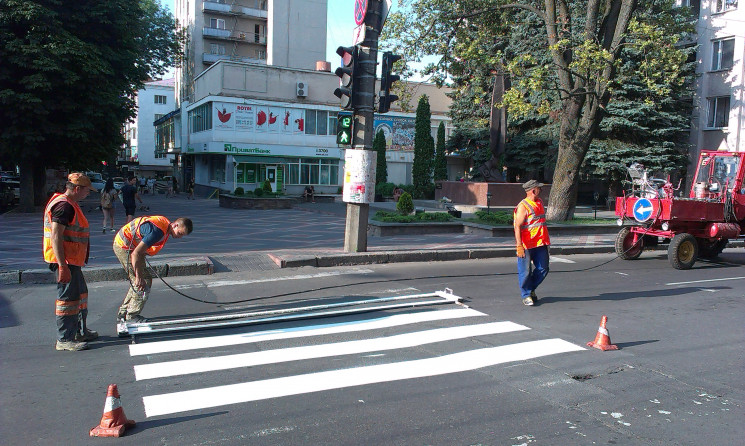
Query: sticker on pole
x=359, y=176
x=642, y=210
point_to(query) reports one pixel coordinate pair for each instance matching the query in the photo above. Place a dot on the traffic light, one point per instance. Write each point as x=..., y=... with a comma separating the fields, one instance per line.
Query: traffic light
x=345, y=92
x=344, y=129
x=386, y=80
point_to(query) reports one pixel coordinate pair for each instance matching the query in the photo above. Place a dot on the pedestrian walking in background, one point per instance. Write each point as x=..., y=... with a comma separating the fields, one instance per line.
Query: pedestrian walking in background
x=143, y=184
x=108, y=198
x=531, y=237
x=66, y=248
x=129, y=195
x=175, y=185
x=138, y=238
x=190, y=189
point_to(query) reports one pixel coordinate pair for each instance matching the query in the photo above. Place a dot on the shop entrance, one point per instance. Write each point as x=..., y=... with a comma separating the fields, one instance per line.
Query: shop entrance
x=271, y=176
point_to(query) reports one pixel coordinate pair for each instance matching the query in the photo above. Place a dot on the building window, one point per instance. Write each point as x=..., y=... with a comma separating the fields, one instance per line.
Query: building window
x=322, y=172
x=200, y=119
x=217, y=48
x=217, y=23
x=718, y=116
x=134, y=133
x=723, y=54
x=261, y=54
x=160, y=99
x=217, y=168
x=158, y=116
x=726, y=5
x=317, y=123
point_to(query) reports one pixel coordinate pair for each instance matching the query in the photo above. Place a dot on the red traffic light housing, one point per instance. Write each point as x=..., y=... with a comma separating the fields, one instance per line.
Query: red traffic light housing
x=345, y=92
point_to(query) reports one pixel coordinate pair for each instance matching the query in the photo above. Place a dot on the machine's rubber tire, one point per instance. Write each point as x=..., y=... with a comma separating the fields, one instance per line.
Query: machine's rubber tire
x=709, y=250
x=683, y=251
x=625, y=248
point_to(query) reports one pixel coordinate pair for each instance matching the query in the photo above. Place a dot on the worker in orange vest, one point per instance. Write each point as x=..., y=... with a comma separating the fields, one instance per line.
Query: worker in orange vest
x=531, y=237
x=66, y=248
x=138, y=238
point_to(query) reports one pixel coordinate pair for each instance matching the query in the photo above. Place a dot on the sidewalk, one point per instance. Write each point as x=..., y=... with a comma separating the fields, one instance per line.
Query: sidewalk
x=310, y=234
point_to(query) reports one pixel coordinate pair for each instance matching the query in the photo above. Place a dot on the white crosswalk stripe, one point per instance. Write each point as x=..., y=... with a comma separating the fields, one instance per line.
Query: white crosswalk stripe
x=159, y=368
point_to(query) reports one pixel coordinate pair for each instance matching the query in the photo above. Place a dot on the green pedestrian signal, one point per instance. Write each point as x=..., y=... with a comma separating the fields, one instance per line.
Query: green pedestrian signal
x=344, y=129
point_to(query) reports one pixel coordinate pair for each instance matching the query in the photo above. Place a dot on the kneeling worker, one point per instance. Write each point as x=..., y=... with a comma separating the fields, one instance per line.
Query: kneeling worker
x=143, y=236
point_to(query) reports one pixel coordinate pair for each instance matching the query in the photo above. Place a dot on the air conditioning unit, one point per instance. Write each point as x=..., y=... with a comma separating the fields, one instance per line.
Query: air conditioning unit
x=302, y=89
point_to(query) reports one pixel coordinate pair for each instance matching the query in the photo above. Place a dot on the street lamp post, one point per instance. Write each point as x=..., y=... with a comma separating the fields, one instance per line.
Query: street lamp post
x=488, y=202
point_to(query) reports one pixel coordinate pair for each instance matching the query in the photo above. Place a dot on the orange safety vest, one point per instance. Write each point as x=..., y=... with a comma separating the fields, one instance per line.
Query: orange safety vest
x=75, y=237
x=125, y=240
x=533, y=231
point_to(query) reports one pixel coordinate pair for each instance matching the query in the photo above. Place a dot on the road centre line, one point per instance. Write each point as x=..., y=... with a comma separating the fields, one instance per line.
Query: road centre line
x=559, y=260
x=218, y=283
x=252, y=359
x=175, y=402
x=299, y=332
x=705, y=280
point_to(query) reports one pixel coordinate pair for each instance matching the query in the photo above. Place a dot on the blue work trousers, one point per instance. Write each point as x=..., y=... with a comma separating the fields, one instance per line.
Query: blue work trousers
x=530, y=279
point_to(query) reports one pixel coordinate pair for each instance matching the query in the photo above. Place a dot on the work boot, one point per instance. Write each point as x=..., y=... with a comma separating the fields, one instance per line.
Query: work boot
x=528, y=301
x=534, y=296
x=90, y=335
x=136, y=319
x=71, y=346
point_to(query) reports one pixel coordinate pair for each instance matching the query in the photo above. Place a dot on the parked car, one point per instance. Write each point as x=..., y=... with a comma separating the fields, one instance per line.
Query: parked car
x=96, y=180
x=119, y=182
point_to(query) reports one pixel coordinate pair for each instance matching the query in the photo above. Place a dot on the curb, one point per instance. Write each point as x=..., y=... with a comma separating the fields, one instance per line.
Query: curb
x=189, y=266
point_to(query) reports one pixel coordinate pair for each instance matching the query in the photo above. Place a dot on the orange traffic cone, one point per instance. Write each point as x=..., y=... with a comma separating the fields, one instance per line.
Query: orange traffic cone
x=113, y=421
x=602, y=339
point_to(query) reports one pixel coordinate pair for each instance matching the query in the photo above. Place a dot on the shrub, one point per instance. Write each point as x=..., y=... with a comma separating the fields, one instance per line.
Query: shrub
x=389, y=217
x=495, y=217
x=384, y=189
x=239, y=191
x=259, y=191
x=405, y=205
x=267, y=186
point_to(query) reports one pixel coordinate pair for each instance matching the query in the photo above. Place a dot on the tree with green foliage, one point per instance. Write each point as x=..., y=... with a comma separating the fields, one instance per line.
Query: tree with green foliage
x=68, y=77
x=421, y=171
x=381, y=168
x=405, y=205
x=441, y=163
x=569, y=79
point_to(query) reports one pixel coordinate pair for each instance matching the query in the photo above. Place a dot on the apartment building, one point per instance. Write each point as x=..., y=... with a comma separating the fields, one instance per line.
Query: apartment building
x=285, y=33
x=718, y=121
x=154, y=101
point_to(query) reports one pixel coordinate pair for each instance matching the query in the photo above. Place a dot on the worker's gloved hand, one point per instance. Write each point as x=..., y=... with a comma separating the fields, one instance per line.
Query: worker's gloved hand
x=520, y=251
x=63, y=274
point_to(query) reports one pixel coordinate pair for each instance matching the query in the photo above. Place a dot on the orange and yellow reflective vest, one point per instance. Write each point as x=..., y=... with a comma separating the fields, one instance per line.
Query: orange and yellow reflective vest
x=129, y=236
x=75, y=237
x=533, y=231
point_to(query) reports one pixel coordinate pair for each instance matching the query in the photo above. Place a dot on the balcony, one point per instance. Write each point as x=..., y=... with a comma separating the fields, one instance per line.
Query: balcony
x=236, y=35
x=209, y=58
x=234, y=10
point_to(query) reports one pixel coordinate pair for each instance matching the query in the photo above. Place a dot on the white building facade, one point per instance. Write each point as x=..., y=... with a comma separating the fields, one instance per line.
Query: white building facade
x=154, y=101
x=718, y=121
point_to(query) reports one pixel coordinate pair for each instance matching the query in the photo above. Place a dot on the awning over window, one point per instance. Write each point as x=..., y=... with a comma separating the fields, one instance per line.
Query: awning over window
x=259, y=159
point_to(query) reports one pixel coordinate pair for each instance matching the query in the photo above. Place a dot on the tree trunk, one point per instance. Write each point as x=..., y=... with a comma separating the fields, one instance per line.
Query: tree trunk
x=577, y=127
x=40, y=184
x=26, y=203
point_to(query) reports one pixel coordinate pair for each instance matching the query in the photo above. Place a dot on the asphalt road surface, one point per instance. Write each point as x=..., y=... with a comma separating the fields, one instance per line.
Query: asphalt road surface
x=492, y=373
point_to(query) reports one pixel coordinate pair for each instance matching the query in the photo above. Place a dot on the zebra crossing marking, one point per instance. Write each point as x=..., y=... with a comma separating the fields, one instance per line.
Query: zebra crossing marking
x=184, y=401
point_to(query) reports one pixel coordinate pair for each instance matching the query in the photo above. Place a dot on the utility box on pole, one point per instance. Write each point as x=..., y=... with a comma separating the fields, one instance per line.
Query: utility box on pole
x=360, y=159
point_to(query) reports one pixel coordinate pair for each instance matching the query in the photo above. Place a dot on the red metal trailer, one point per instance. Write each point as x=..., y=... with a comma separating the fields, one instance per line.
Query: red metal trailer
x=698, y=226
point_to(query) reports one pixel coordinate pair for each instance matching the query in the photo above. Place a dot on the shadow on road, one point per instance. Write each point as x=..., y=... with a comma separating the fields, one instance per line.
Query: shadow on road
x=629, y=295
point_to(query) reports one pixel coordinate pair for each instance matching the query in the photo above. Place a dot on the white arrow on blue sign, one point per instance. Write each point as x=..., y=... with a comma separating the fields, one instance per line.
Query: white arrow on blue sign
x=642, y=210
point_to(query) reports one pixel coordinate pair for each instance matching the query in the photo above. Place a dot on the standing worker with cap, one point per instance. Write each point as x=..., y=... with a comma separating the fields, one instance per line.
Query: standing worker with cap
x=66, y=247
x=531, y=237
x=143, y=236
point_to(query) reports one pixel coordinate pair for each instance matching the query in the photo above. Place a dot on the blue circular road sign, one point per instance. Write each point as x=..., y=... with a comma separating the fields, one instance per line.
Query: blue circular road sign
x=642, y=210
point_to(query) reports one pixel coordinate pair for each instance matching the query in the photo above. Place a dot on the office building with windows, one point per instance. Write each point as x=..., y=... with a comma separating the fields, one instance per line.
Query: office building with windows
x=718, y=121
x=139, y=154
x=252, y=123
